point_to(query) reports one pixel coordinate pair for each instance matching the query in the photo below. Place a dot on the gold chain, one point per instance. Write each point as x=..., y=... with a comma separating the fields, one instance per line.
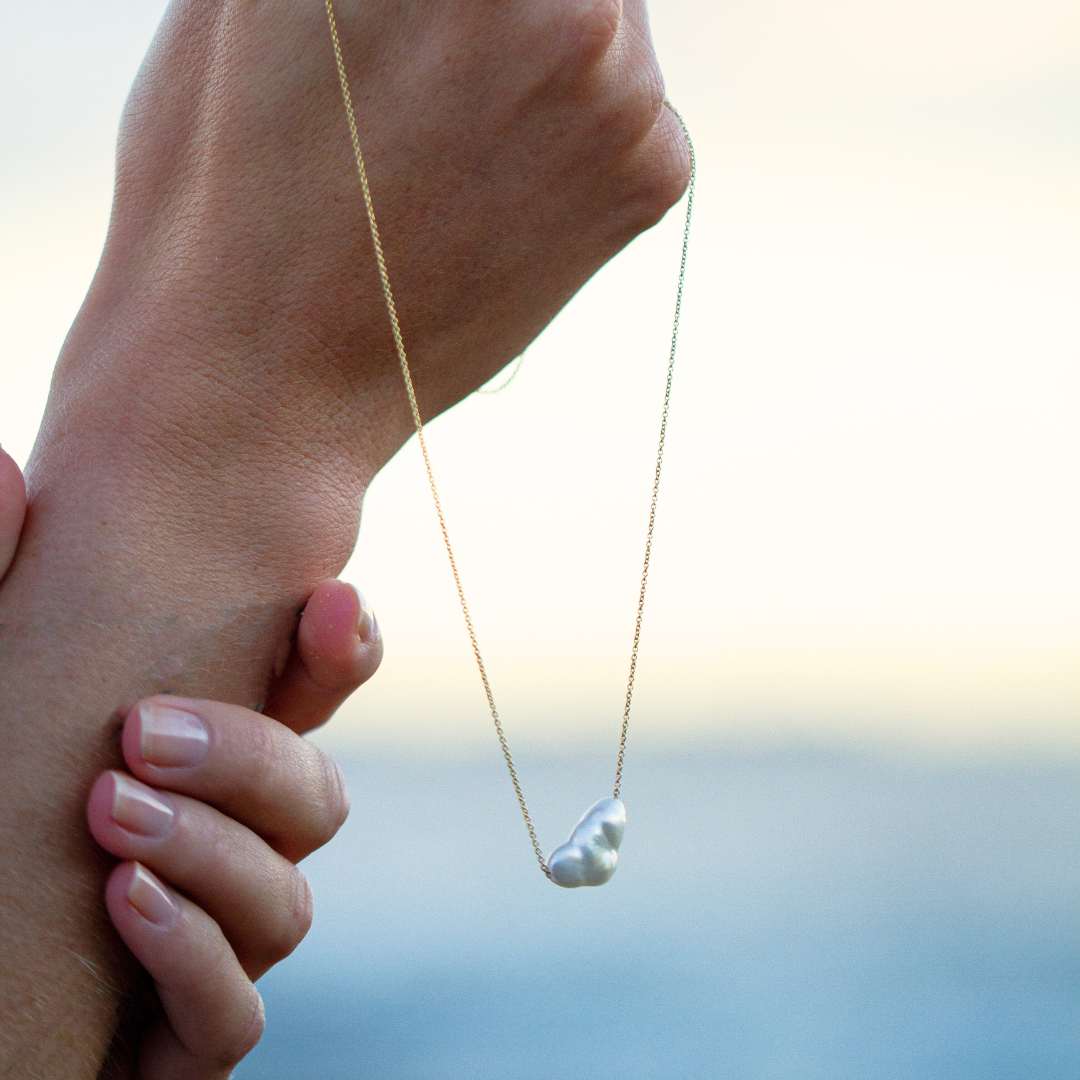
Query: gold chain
x=399, y=345
x=506, y=382
x=659, y=450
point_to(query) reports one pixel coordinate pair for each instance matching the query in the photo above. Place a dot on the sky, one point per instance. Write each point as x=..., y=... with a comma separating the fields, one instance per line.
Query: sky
x=868, y=522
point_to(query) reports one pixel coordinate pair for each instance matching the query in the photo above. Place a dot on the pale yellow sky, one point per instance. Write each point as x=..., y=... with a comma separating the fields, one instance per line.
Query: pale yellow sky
x=868, y=524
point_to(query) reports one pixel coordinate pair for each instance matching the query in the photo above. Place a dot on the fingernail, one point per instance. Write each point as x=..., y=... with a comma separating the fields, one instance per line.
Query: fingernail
x=138, y=809
x=151, y=899
x=367, y=628
x=171, y=738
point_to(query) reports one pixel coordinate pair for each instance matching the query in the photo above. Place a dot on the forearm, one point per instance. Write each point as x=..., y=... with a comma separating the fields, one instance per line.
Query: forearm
x=185, y=500
x=120, y=590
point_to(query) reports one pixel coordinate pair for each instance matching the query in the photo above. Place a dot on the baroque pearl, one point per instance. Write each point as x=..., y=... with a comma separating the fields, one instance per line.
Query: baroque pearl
x=591, y=854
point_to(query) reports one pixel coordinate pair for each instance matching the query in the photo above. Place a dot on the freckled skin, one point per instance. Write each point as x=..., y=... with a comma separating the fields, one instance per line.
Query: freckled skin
x=229, y=388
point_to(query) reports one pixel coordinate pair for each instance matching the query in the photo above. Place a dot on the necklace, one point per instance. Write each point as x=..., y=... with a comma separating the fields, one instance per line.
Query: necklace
x=590, y=856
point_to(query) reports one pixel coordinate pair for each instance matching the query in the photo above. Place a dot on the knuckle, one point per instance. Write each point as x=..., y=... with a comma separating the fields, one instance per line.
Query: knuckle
x=301, y=910
x=659, y=175
x=333, y=802
x=261, y=758
x=291, y=923
x=584, y=33
x=598, y=23
x=247, y=1036
x=643, y=97
x=661, y=185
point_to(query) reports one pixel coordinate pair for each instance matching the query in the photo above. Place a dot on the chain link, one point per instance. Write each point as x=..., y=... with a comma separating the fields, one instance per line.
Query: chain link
x=403, y=362
x=506, y=382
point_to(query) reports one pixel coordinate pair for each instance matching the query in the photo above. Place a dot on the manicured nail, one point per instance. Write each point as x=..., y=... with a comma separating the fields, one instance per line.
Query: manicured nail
x=138, y=809
x=171, y=738
x=367, y=628
x=151, y=899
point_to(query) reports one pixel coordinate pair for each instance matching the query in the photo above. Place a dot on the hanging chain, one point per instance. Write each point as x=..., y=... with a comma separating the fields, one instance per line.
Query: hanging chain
x=659, y=451
x=399, y=344
x=403, y=362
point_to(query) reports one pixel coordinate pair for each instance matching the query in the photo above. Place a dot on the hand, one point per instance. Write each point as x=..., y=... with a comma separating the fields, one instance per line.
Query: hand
x=253, y=800
x=513, y=147
x=220, y=805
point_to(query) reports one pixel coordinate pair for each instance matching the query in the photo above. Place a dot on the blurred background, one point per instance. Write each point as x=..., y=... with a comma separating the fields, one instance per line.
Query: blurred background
x=854, y=759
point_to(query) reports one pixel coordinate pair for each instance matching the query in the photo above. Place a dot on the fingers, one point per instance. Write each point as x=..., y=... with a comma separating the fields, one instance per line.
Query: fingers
x=12, y=509
x=261, y=902
x=244, y=797
x=213, y=1013
x=247, y=766
x=338, y=647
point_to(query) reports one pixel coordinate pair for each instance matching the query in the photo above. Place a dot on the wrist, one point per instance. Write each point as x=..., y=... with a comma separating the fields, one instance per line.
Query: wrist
x=228, y=415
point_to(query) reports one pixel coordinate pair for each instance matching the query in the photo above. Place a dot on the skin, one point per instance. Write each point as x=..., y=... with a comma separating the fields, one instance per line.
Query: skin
x=12, y=509
x=258, y=801
x=261, y=800
x=228, y=388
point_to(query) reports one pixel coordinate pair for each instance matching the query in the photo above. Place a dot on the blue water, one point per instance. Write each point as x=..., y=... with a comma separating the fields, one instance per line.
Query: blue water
x=788, y=914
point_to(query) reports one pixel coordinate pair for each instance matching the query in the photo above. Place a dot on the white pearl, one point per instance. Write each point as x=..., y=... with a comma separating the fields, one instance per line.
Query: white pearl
x=591, y=854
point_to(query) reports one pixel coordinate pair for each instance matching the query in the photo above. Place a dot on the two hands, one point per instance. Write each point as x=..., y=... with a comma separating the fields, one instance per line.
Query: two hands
x=230, y=388
x=218, y=806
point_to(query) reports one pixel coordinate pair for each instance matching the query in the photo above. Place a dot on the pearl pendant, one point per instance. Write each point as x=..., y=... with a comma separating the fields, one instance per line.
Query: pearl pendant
x=591, y=854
